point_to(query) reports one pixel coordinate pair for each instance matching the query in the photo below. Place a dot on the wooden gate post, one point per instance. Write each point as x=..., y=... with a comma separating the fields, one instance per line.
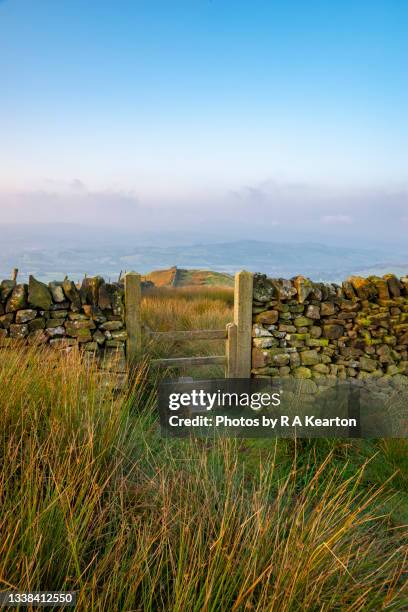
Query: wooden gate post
x=243, y=320
x=133, y=315
x=231, y=351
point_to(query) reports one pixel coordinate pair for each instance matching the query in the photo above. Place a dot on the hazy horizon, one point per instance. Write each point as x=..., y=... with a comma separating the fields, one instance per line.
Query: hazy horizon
x=51, y=252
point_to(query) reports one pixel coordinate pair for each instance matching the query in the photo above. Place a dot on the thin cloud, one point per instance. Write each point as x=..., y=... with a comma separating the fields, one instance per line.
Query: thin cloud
x=268, y=210
x=337, y=219
x=70, y=203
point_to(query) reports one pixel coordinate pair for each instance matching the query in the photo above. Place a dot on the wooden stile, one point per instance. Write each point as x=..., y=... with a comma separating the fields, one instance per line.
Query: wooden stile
x=189, y=361
x=237, y=358
x=200, y=334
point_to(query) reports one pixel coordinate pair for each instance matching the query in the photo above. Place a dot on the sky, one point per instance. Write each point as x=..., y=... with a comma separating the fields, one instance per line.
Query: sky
x=225, y=117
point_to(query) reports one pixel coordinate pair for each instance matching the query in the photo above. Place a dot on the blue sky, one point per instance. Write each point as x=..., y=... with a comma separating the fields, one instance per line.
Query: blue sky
x=164, y=113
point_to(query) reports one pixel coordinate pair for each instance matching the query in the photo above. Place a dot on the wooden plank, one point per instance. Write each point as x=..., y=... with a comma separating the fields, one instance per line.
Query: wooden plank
x=189, y=361
x=202, y=334
x=243, y=319
x=231, y=351
x=133, y=315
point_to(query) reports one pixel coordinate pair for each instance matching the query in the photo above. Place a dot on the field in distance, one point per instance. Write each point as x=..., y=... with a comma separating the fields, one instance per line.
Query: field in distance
x=179, y=277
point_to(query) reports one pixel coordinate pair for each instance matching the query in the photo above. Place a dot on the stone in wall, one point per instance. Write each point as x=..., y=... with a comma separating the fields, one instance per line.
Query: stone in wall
x=39, y=296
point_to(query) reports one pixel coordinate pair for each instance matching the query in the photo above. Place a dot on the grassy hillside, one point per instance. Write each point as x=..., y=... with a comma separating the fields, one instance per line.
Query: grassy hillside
x=93, y=499
x=178, y=277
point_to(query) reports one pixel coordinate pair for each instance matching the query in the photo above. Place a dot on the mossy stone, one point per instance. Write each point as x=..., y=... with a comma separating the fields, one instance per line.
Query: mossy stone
x=302, y=372
x=39, y=295
x=17, y=299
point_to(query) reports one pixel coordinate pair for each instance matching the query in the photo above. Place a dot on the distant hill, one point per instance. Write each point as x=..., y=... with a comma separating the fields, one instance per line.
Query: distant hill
x=178, y=277
x=50, y=252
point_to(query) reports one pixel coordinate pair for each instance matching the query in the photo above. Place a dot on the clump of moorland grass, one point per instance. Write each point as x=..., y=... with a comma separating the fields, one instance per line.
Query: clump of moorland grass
x=193, y=293
x=93, y=500
x=187, y=308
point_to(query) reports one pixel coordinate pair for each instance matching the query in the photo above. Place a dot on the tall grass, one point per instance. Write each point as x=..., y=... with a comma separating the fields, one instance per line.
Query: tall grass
x=93, y=500
x=187, y=308
x=193, y=308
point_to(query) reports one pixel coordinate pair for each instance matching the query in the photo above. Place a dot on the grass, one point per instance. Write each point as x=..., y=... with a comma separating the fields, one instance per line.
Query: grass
x=182, y=309
x=92, y=499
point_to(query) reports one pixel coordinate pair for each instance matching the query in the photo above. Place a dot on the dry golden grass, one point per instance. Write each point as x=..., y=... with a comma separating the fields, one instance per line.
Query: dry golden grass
x=93, y=500
x=188, y=309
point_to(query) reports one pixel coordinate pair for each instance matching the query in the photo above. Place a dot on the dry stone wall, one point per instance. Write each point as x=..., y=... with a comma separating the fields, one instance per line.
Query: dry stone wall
x=63, y=315
x=326, y=331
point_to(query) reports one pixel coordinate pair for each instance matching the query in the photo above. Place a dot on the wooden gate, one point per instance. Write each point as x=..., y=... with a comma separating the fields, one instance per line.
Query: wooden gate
x=237, y=334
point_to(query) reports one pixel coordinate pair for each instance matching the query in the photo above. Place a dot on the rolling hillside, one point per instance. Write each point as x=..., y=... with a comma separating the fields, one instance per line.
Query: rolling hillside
x=178, y=277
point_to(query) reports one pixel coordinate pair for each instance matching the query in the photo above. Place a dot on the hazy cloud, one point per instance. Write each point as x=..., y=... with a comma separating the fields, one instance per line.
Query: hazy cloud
x=69, y=203
x=78, y=186
x=272, y=210
x=334, y=219
x=325, y=213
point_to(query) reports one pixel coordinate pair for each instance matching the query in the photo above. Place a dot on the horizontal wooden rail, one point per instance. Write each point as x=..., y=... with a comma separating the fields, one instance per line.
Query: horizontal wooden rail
x=189, y=361
x=202, y=334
